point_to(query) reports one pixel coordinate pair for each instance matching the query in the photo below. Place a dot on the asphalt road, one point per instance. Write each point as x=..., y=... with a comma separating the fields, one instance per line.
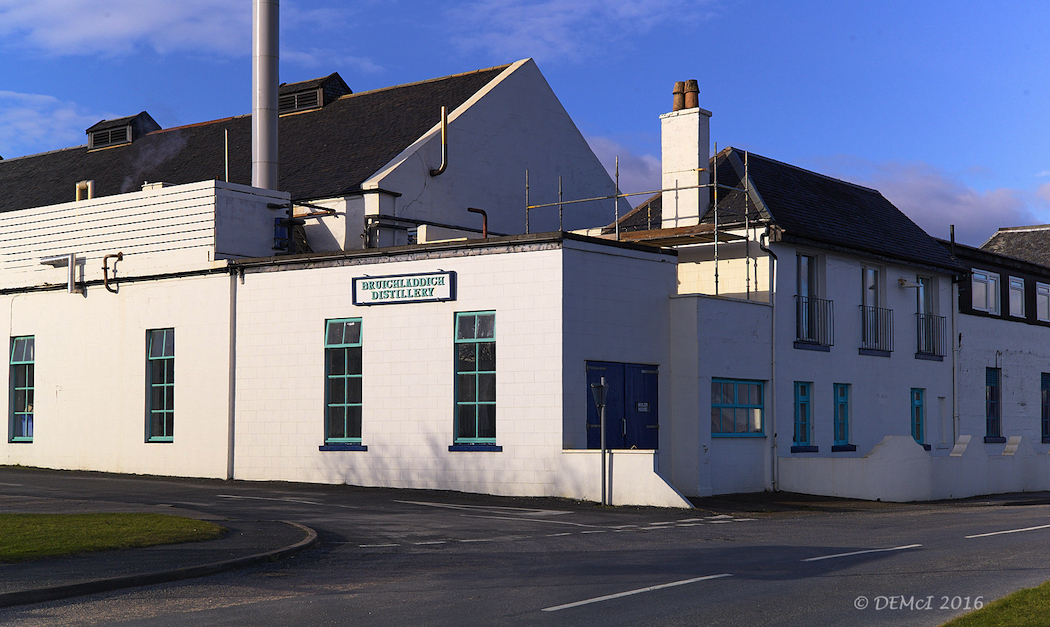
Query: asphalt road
x=405, y=557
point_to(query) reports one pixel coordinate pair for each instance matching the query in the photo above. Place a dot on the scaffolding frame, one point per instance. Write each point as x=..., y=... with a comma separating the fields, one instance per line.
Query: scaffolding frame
x=715, y=186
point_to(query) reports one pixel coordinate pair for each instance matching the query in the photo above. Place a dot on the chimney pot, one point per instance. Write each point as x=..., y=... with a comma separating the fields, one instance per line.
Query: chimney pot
x=692, y=94
x=679, y=96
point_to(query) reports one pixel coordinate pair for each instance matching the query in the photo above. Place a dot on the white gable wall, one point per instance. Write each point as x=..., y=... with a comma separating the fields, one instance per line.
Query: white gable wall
x=513, y=124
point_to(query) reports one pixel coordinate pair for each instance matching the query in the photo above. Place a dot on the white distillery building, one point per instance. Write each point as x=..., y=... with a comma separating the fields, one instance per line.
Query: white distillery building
x=790, y=332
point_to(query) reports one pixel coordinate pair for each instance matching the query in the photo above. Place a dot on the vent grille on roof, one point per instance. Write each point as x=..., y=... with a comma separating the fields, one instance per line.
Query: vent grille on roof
x=298, y=101
x=109, y=137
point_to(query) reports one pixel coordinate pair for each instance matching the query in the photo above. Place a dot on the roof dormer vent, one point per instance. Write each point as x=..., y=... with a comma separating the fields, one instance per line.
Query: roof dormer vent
x=312, y=94
x=120, y=131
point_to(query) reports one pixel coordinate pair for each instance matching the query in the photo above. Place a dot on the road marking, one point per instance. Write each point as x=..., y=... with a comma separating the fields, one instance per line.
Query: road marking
x=499, y=539
x=264, y=498
x=828, y=557
x=374, y=546
x=595, y=531
x=609, y=597
x=432, y=542
x=18, y=485
x=997, y=533
x=557, y=535
x=539, y=520
x=495, y=509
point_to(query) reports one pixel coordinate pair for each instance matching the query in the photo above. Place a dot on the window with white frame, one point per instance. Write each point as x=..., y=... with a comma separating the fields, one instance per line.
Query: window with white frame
x=1016, y=297
x=984, y=290
x=1042, y=302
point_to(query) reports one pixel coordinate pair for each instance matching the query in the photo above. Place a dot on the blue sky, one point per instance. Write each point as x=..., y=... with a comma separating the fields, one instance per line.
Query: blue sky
x=942, y=106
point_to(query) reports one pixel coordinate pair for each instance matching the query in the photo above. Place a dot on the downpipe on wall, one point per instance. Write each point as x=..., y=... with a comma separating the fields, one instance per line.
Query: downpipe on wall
x=772, y=355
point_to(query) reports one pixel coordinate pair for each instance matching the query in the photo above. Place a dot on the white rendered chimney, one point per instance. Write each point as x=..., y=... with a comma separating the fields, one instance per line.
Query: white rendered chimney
x=264, y=93
x=685, y=138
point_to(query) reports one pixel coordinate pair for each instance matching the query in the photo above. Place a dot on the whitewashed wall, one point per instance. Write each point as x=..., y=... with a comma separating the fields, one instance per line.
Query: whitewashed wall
x=1024, y=353
x=880, y=386
x=724, y=338
x=90, y=377
x=169, y=229
x=408, y=373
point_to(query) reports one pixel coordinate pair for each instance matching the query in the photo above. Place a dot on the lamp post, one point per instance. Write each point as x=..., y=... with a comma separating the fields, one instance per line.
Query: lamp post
x=599, y=391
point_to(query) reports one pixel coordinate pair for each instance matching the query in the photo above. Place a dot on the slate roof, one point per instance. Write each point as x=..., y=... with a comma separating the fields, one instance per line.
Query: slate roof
x=313, y=83
x=828, y=212
x=809, y=208
x=644, y=217
x=1028, y=243
x=323, y=153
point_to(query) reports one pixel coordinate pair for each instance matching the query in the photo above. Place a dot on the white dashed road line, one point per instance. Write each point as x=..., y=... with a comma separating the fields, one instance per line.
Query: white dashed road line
x=609, y=597
x=999, y=533
x=828, y=557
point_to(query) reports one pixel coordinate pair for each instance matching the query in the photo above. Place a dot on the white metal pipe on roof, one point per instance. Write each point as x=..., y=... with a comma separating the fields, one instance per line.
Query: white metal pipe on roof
x=265, y=20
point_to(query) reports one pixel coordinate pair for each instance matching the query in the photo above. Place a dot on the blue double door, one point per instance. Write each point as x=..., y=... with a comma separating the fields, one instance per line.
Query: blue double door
x=631, y=409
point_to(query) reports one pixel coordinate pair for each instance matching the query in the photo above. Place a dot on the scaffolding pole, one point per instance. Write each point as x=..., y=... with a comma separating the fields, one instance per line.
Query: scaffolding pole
x=715, y=190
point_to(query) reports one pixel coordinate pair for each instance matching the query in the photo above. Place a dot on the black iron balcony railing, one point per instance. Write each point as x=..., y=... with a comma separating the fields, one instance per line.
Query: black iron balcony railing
x=931, y=334
x=814, y=320
x=876, y=325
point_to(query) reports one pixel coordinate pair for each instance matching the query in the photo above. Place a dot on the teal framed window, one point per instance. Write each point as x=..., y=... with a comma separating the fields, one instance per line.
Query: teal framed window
x=918, y=415
x=992, y=402
x=803, y=414
x=160, y=366
x=475, y=378
x=342, y=351
x=841, y=425
x=23, y=358
x=736, y=408
x=1044, y=404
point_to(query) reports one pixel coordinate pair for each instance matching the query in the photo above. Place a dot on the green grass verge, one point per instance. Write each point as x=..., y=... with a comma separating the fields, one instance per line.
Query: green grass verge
x=1024, y=608
x=34, y=536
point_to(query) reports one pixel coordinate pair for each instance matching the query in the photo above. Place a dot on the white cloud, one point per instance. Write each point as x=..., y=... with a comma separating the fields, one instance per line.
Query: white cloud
x=316, y=57
x=560, y=30
x=31, y=123
x=638, y=173
x=121, y=27
x=935, y=200
x=1044, y=193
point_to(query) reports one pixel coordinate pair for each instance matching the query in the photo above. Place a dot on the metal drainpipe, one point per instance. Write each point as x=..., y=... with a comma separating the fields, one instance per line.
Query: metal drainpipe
x=105, y=270
x=772, y=355
x=231, y=390
x=85, y=190
x=484, y=221
x=955, y=349
x=444, y=144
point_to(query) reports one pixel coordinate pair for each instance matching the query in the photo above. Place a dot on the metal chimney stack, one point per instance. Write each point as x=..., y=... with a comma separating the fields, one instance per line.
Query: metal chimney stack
x=264, y=93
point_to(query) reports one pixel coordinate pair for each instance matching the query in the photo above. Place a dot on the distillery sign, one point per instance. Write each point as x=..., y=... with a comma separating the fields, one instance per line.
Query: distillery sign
x=404, y=288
